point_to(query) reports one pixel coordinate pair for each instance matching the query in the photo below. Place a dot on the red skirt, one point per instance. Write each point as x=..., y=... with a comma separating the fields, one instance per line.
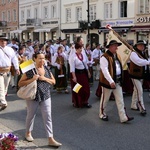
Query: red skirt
x=81, y=98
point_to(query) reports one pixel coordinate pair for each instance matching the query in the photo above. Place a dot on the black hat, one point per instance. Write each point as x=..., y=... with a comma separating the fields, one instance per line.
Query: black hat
x=98, y=44
x=140, y=42
x=28, y=41
x=3, y=38
x=113, y=42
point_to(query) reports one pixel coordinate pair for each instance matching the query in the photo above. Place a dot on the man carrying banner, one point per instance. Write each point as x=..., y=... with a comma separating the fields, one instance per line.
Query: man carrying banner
x=138, y=68
x=7, y=57
x=111, y=80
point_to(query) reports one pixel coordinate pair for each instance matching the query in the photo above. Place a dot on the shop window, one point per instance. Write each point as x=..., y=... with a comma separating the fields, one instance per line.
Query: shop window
x=54, y=35
x=68, y=38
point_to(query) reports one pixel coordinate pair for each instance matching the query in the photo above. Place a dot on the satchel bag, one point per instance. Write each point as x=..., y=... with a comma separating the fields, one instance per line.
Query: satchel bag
x=28, y=92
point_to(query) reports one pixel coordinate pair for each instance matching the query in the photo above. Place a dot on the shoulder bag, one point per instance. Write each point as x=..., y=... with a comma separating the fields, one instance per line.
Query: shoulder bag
x=28, y=92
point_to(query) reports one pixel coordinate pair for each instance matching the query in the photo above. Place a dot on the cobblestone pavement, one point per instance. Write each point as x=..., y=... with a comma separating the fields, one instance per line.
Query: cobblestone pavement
x=22, y=144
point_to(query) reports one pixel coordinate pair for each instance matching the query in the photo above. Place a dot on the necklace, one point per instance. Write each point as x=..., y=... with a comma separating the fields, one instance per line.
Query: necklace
x=80, y=57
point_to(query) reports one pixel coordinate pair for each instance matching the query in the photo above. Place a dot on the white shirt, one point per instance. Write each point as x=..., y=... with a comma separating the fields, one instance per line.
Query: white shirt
x=138, y=61
x=29, y=52
x=75, y=62
x=55, y=57
x=97, y=53
x=105, y=71
x=90, y=62
x=7, y=59
x=52, y=50
x=15, y=45
x=66, y=50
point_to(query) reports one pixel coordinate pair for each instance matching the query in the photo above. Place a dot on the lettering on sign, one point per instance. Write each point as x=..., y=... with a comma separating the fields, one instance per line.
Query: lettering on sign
x=143, y=19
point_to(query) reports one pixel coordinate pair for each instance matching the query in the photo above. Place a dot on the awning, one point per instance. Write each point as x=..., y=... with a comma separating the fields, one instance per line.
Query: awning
x=140, y=28
x=72, y=30
x=44, y=29
x=17, y=31
x=117, y=29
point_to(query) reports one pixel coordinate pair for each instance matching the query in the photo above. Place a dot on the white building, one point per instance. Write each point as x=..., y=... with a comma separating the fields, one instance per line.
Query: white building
x=39, y=19
x=142, y=20
x=118, y=13
x=74, y=20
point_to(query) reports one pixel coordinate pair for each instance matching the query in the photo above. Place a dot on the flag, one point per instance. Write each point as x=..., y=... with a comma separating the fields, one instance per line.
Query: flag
x=123, y=50
x=27, y=65
x=77, y=87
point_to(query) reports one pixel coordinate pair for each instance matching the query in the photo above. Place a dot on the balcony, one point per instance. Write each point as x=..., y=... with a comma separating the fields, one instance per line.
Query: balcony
x=3, y=23
x=33, y=22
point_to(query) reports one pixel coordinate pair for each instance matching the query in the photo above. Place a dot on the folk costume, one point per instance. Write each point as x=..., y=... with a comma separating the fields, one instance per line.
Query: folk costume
x=112, y=73
x=8, y=57
x=90, y=64
x=139, y=70
x=60, y=71
x=96, y=54
x=78, y=65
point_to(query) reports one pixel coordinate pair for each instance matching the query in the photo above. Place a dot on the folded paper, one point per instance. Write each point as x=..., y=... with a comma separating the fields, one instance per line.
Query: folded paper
x=77, y=87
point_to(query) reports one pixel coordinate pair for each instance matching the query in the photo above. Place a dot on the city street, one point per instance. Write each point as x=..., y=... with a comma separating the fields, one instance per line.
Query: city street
x=81, y=129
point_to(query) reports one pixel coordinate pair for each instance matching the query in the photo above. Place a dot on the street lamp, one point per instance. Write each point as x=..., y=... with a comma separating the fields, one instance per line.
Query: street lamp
x=88, y=18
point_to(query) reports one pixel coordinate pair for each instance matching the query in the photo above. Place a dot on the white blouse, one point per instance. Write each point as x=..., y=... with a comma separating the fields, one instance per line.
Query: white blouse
x=75, y=62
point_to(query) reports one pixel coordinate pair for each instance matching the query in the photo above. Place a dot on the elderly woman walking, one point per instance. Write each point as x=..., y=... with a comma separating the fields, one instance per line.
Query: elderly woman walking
x=43, y=98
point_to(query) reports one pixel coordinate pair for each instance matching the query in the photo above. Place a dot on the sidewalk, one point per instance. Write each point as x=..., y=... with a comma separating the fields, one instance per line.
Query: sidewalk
x=21, y=143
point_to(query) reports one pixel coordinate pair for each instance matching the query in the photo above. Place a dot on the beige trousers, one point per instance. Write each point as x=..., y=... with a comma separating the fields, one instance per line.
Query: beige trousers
x=119, y=102
x=4, y=83
x=137, y=96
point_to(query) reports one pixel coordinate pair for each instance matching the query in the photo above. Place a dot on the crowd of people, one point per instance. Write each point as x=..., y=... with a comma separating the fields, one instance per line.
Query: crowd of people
x=58, y=64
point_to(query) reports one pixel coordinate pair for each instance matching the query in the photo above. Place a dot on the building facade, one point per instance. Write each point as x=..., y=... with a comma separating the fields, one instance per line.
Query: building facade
x=8, y=17
x=53, y=19
x=80, y=18
x=142, y=20
x=39, y=19
x=120, y=14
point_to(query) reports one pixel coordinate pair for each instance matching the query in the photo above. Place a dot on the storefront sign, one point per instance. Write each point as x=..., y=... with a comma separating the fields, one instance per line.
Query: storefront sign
x=118, y=23
x=145, y=19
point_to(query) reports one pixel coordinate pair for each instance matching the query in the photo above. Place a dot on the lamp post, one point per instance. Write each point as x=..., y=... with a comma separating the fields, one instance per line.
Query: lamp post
x=88, y=18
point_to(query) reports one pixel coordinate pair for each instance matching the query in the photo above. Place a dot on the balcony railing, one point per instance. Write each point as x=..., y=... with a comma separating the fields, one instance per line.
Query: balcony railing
x=33, y=22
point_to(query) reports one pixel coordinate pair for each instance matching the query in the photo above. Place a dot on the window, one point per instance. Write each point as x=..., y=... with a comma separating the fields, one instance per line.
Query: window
x=108, y=10
x=22, y=15
x=144, y=7
x=45, y=12
x=53, y=11
x=3, y=16
x=36, y=13
x=123, y=9
x=68, y=15
x=28, y=13
x=78, y=13
x=3, y=2
x=9, y=1
x=15, y=15
x=8, y=16
x=92, y=12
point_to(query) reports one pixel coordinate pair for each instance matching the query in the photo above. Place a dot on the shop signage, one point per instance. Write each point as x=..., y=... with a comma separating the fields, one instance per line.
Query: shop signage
x=145, y=19
x=119, y=23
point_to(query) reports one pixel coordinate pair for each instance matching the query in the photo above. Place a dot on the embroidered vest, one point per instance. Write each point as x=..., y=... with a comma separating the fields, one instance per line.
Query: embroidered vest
x=137, y=72
x=112, y=69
